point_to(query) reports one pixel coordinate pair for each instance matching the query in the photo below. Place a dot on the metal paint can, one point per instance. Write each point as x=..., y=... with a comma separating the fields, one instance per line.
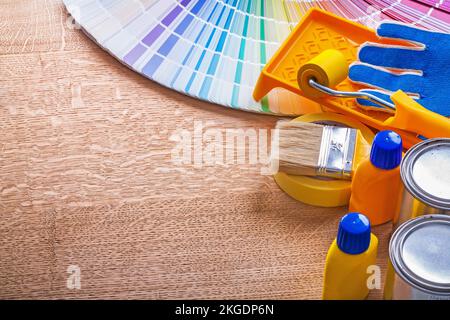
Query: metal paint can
x=420, y=260
x=425, y=172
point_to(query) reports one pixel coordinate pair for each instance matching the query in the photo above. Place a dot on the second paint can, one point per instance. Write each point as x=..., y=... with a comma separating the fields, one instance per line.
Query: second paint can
x=425, y=172
x=419, y=255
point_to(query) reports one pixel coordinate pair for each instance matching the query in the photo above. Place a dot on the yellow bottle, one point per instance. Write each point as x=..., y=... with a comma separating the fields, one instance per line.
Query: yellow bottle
x=376, y=185
x=349, y=258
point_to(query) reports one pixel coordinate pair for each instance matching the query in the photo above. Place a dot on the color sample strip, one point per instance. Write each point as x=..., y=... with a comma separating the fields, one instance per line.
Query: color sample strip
x=238, y=76
x=152, y=66
x=262, y=51
x=203, y=53
x=438, y=4
x=155, y=33
x=198, y=37
x=204, y=91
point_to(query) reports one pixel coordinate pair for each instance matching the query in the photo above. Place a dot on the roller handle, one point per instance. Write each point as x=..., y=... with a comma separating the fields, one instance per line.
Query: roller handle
x=413, y=117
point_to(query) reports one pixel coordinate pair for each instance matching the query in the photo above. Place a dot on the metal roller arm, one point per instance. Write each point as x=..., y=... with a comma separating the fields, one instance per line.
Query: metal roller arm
x=348, y=94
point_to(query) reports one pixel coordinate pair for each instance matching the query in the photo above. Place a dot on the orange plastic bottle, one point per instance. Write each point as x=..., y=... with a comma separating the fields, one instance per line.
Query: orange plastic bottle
x=350, y=255
x=376, y=185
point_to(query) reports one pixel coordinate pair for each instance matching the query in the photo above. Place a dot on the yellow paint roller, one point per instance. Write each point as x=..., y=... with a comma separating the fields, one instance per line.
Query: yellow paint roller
x=328, y=69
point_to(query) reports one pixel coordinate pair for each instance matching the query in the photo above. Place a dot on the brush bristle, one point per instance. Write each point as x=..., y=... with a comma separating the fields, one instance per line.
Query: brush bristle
x=298, y=147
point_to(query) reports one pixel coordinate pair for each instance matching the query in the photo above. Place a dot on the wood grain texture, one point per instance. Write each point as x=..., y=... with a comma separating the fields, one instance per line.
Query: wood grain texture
x=87, y=179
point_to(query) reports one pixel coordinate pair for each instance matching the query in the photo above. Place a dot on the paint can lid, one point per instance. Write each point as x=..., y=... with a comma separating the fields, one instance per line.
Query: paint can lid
x=386, y=150
x=426, y=172
x=354, y=233
x=419, y=253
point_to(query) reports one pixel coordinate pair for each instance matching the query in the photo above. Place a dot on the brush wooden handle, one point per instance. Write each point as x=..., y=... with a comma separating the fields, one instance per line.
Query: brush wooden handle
x=413, y=117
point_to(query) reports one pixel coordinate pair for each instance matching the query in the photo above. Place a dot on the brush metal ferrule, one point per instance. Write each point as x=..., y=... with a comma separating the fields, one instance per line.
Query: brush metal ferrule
x=336, y=152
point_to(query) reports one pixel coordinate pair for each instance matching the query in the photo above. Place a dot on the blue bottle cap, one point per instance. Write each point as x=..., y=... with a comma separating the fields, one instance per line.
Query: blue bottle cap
x=354, y=233
x=386, y=150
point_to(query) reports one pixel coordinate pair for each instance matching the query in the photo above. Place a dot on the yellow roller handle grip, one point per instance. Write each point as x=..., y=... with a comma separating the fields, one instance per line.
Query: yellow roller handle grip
x=411, y=116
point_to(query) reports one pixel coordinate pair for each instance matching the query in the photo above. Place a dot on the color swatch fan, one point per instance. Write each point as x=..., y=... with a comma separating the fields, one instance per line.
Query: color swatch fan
x=215, y=49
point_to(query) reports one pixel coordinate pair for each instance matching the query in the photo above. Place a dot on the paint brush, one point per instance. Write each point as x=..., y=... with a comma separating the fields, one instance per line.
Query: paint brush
x=310, y=149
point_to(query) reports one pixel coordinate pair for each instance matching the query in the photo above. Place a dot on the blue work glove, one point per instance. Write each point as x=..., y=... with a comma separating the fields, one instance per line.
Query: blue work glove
x=425, y=69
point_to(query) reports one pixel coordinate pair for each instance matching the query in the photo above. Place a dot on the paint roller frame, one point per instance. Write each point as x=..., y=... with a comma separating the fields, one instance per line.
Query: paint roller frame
x=316, y=32
x=328, y=69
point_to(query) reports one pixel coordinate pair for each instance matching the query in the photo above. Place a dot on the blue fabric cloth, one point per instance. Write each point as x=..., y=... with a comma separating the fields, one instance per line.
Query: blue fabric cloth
x=425, y=69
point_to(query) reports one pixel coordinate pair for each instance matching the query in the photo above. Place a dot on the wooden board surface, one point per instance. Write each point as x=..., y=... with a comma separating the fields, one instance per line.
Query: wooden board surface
x=87, y=179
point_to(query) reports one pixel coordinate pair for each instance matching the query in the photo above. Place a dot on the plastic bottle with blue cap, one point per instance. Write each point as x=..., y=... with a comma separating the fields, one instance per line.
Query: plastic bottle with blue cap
x=348, y=260
x=376, y=185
